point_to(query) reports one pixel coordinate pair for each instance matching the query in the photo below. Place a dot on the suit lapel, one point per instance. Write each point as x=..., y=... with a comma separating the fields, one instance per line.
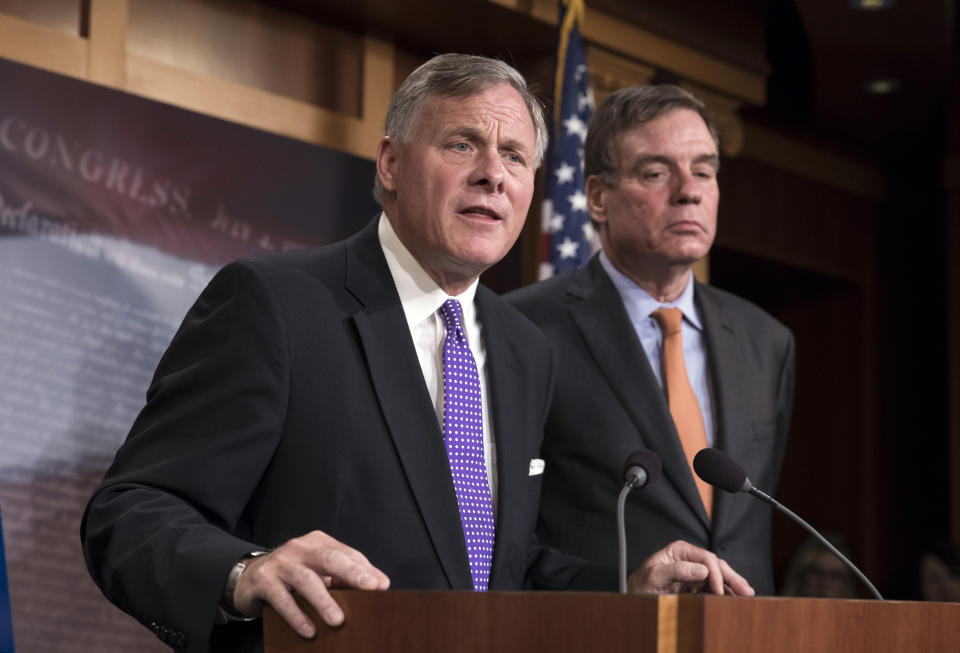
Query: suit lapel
x=609, y=335
x=730, y=384
x=395, y=374
x=507, y=411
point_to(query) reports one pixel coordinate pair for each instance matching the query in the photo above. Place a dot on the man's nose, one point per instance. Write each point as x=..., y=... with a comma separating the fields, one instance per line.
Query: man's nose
x=687, y=190
x=489, y=172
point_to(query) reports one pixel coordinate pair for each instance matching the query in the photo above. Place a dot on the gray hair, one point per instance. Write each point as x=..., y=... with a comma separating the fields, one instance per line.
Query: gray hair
x=628, y=108
x=457, y=76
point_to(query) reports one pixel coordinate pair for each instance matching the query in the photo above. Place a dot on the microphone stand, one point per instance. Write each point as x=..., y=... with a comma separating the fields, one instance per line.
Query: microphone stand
x=763, y=496
x=622, y=536
x=642, y=467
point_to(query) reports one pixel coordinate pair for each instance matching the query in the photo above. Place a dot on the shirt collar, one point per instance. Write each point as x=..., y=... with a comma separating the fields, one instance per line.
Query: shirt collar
x=420, y=295
x=640, y=304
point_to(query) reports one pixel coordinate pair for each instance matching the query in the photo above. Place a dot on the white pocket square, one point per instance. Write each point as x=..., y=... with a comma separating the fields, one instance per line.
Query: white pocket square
x=536, y=466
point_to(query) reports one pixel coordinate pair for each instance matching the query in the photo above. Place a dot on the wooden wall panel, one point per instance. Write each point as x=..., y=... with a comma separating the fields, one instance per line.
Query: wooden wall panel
x=62, y=15
x=795, y=154
x=636, y=42
x=253, y=45
x=43, y=47
x=108, y=38
x=240, y=61
x=770, y=213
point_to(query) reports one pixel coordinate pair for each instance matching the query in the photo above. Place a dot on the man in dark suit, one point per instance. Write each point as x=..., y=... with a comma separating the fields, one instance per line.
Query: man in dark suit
x=299, y=416
x=651, y=167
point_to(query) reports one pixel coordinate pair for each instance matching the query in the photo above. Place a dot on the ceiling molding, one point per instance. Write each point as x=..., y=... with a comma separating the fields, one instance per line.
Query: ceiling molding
x=722, y=111
x=610, y=72
x=812, y=162
x=649, y=48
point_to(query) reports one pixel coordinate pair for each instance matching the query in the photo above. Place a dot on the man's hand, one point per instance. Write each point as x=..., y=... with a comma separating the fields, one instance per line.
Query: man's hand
x=306, y=565
x=683, y=568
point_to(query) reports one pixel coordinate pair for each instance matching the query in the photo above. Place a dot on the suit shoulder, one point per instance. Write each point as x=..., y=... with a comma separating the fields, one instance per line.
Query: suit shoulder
x=283, y=279
x=540, y=300
x=745, y=312
x=281, y=270
x=538, y=292
x=296, y=260
x=516, y=321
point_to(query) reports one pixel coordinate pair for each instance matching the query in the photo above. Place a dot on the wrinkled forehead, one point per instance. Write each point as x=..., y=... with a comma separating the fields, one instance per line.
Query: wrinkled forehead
x=501, y=104
x=676, y=133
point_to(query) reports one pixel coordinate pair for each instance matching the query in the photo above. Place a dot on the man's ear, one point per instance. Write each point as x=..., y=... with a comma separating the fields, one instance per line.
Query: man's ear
x=387, y=163
x=596, y=199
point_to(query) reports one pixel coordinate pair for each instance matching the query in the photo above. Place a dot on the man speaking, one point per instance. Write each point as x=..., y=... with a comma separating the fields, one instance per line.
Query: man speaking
x=648, y=357
x=359, y=415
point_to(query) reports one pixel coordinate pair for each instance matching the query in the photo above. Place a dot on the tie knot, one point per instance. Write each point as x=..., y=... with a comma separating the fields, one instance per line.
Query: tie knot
x=669, y=320
x=452, y=315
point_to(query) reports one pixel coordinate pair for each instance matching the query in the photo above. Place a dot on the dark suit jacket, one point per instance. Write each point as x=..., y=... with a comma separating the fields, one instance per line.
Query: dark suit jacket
x=607, y=404
x=291, y=399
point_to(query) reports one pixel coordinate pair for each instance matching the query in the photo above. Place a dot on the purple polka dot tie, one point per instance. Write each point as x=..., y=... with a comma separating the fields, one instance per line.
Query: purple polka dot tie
x=463, y=434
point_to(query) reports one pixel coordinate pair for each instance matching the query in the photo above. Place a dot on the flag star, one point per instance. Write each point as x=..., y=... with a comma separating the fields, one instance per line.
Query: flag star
x=585, y=100
x=568, y=248
x=545, y=215
x=581, y=69
x=576, y=126
x=556, y=223
x=589, y=233
x=578, y=201
x=564, y=173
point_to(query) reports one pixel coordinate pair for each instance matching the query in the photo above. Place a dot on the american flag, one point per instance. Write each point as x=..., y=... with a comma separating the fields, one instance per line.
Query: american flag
x=568, y=235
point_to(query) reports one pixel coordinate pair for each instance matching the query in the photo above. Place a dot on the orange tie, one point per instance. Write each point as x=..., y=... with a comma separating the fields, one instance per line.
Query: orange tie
x=683, y=402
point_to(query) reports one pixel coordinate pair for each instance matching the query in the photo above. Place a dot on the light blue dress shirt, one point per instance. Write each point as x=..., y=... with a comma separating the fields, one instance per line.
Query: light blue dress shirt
x=640, y=305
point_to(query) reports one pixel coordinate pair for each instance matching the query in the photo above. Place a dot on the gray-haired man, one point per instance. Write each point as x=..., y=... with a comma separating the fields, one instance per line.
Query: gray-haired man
x=302, y=408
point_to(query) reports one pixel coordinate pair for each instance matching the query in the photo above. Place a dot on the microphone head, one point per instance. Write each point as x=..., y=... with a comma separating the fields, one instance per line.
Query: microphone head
x=720, y=470
x=646, y=460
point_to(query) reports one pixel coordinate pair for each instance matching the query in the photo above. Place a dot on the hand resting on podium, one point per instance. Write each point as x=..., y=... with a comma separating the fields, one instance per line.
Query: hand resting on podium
x=307, y=566
x=682, y=568
x=311, y=564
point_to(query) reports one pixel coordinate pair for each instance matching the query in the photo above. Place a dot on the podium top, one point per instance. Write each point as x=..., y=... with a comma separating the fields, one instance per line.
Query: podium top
x=508, y=622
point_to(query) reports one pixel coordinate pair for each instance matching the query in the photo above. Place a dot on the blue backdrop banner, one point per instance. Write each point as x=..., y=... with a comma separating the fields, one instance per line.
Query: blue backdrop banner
x=115, y=211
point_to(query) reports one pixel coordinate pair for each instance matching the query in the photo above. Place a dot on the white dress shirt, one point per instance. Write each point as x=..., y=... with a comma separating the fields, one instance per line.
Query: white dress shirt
x=421, y=298
x=640, y=307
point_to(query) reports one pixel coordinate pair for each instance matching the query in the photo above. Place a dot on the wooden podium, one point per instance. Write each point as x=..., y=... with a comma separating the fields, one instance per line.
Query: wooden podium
x=508, y=622
x=715, y=624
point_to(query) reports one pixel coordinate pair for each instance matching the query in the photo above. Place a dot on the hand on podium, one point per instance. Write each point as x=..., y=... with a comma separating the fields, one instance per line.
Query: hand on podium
x=306, y=565
x=682, y=568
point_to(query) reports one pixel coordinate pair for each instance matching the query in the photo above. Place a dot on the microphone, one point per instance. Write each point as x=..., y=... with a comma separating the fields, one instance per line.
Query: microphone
x=721, y=471
x=641, y=469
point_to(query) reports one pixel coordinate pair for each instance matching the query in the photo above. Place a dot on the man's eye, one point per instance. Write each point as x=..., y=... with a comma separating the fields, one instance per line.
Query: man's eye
x=515, y=158
x=653, y=175
x=461, y=147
